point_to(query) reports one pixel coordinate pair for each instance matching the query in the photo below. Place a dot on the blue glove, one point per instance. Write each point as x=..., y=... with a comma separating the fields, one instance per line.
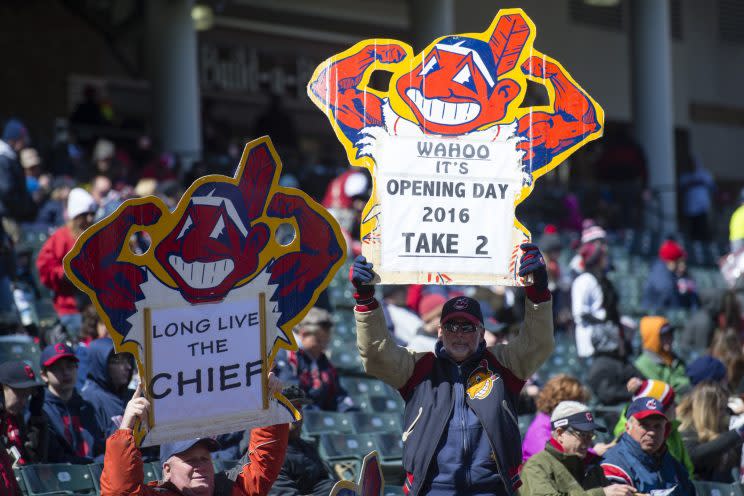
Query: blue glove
x=361, y=276
x=532, y=262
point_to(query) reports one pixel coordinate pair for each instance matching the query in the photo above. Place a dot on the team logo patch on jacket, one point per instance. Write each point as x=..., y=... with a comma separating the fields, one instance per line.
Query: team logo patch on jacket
x=480, y=382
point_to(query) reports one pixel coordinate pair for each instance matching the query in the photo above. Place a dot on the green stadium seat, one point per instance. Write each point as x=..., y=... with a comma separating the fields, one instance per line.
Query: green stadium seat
x=524, y=422
x=157, y=470
x=363, y=385
x=96, y=469
x=386, y=403
x=368, y=423
x=58, y=479
x=345, y=446
x=717, y=489
x=19, y=479
x=390, y=446
x=319, y=422
x=18, y=347
x=393, y=491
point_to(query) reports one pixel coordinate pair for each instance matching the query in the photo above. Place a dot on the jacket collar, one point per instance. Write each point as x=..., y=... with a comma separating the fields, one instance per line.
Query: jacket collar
x=572, y=462
x=650, y=461
x=466, y=364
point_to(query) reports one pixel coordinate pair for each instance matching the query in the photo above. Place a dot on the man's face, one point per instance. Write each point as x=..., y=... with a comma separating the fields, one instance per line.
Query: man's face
x=191, y=472
x=315, y=341
x=120, y=369
x=15, y=399
x=61, y=375
x=649, y=432
x=666, y=339
x=574, y=442
x=458, y=342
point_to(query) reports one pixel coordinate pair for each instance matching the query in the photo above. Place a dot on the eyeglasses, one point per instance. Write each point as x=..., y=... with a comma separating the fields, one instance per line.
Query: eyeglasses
x=583, y=435
x=460, y=328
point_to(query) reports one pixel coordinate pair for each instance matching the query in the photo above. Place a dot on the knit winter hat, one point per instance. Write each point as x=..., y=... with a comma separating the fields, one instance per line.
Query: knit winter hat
x=79, y=202
x=14, y=129
x=671, y=251
x=658, y=390
x=706, y=368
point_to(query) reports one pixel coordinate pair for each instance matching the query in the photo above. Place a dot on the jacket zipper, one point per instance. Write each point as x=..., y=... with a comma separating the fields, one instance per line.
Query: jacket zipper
x=408, y=431
x=461, y=400
x=428, y=462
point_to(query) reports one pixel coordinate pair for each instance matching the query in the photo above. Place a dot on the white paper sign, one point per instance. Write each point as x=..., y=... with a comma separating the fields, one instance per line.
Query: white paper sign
x=448, y=203
x=205, y=362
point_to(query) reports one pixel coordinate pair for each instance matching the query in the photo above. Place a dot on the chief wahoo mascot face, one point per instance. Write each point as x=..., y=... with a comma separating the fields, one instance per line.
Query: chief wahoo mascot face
x=219, y=238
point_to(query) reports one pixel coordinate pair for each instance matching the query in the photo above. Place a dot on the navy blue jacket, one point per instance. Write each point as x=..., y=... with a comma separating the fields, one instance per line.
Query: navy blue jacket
x=470, y=428
x=74, y=436
x=627, y=463
x=107, y=404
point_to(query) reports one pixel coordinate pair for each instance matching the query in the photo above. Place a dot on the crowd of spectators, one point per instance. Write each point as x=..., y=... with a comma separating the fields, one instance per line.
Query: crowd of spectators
x=669, y=392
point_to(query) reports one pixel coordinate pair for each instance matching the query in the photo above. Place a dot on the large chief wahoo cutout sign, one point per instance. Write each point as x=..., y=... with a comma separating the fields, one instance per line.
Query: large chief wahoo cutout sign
x=214, y=298
x=450, y=147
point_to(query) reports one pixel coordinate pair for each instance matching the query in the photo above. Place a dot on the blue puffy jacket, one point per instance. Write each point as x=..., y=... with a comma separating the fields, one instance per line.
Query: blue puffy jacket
x=108, y=404
x=627, y=463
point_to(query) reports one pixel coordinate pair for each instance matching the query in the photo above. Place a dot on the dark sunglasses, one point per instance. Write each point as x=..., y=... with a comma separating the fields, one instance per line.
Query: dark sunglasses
x=460, y=328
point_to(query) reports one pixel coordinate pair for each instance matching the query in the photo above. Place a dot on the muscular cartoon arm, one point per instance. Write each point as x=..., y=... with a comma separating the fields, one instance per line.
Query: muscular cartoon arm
x=338, y=87
x=547, y=135
x=116, y=283
x=299, y=273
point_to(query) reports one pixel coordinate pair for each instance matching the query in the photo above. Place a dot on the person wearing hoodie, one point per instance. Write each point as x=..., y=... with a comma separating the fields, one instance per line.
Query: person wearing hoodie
x=74, y=436
x=611, y=372
x=658, y=361
x=668, y=286
x=107, y=387
x=80, y=211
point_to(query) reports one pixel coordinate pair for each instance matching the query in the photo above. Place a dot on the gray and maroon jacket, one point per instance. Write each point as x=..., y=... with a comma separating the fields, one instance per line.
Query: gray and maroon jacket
x=461, y=434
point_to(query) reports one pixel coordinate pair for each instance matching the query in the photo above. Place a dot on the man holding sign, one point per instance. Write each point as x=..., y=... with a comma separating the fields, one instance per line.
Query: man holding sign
x=187, y=465
x=461, y=434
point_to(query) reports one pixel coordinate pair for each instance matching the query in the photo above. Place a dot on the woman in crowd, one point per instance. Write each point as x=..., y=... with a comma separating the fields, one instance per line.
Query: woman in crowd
x=715, y=451
x=561, y=387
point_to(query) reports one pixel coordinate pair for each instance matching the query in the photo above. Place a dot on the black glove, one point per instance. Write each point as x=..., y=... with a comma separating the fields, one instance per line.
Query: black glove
x=36, y=405
x=532, y=262
x=361, y=276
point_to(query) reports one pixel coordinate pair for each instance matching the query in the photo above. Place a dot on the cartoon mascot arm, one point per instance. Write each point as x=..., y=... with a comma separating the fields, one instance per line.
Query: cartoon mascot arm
x=115, y=283
x=299, y=273
x=575, y=116
x=338, y=87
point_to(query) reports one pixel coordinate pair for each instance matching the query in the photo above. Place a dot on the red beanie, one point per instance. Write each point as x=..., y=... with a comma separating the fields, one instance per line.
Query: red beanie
x=431, y=305
x=671, y=251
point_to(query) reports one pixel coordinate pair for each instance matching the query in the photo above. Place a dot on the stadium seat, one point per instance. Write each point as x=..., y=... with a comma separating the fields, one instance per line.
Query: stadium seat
x=524, y=422
x=58, y=479
x=363, y=385
x=157, y=470
x=19, y=479
x=393, y=490
x=319, y=422
x=345, y=446
x=96, y=469
x=367, y=423
x=390, y=446
x=18, y=347
x=717, y=489
x=386, y=403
